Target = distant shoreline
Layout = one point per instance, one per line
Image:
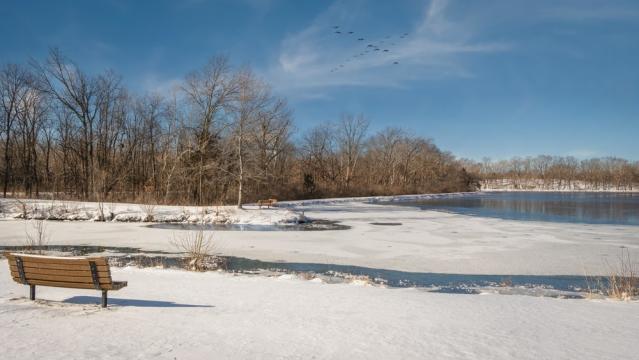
(562, 190)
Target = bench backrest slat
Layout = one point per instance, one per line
(57, 271)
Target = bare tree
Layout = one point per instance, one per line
(255, 111)
(320, 157)
(78, 93)
(208, 92)
(13, 88)
(32, 118)
(351, 132)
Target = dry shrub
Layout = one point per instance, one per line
(149, 212)
(506, 282)
(101, 216)
(148, 203)
(36, 236)
(622, 281)
(623, 278)
(72, 207)
(23, 207)
(198, 246)
(111, 211)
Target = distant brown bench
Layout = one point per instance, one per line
(71, 272)
(267, 203)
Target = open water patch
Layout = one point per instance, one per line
(564, 286)
(563, 207)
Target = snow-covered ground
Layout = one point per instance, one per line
(170, 314)
(427, 241)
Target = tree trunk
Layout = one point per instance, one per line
(240, 177)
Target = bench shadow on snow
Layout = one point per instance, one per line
(91, 300)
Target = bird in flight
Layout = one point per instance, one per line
(375, 45)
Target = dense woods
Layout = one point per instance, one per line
(221, 137)
(557, 173)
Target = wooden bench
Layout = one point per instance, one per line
(67, 272)
(268, 203)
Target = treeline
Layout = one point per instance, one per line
(221, 137)
(557, 173)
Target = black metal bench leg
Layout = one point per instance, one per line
(32, 292)
(104, 298)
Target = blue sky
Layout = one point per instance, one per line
(482, 78)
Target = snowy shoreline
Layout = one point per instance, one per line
(633, 191)
(127, 212)
(286, 212)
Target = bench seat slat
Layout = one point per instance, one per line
(61, 261)
(28, 270)
(56, 259)
(63, 278)
(71, 284)
(76, 267)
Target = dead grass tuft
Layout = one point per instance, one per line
(622, 281)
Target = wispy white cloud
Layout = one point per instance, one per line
(434, 47)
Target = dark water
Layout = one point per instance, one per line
(570, 207)
(396, 278)
(449, 283)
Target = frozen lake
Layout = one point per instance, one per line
(388, 237)
(565, 207)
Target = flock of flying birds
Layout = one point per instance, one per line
(371, 48)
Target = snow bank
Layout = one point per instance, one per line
(118, 212)
(170, 314)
